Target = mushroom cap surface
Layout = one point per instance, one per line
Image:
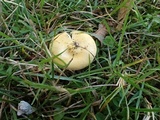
(75, 51)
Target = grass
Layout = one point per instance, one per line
(121, 84)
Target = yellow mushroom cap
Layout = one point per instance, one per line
(74, 52)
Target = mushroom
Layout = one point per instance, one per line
(74, 51)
